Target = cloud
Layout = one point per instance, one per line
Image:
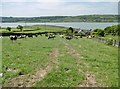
(101, 0)
(31, 9)
(30, 1)
(60, 1)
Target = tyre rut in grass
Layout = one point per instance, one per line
(89, 80)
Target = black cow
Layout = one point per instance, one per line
(51, 36)
(13, 37)
(46, 34)
(36, 35)
(30, 35)
(69, 37)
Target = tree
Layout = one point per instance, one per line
(20, 27)
(113, 30)
(8, 28)
(99, 32)
(118, 30)
(69, 31)
(96, 30)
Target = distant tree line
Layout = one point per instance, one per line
(82, 18)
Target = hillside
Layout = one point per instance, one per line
(81, 18)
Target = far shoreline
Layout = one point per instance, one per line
(59, 22)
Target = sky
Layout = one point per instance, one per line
(37, 8)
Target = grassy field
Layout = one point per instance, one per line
(102, 59)
(34, 29)
(111, 37)
(24, 56)
(64, 63)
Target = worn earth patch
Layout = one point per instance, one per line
(89, 81)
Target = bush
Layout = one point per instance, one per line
(113, 30)
(109, 42)
(101, 33)
(94, 33)
(98, 32)
(8, 28)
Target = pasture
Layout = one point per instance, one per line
(34, 29)
(42, 62)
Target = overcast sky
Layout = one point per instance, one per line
(35, 8)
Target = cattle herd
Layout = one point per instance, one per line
(15, 37)
(53, 36)
(47, 35)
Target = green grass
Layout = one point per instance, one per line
(34, 29)
(26, 55)
(111, 37)
(60, 77)
(102, 59)
(30, 54)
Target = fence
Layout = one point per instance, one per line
(108, 41)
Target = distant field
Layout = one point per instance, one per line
(35, 29)
(59, 62)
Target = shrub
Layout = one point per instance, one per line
(98, 32)
(101, 33)
(109, 42)
(8, 28)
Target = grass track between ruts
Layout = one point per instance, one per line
(66, 74)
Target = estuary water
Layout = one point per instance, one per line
(82, 25)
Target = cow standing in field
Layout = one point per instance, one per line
(13, 37)
(30, 35)
(36, 35)
(51, 36)
(46, 34)
(69, 37)
(62, 36)
(1, 37)
(21, 36)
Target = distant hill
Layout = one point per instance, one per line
(81, 18)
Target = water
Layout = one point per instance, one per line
(82, 25)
